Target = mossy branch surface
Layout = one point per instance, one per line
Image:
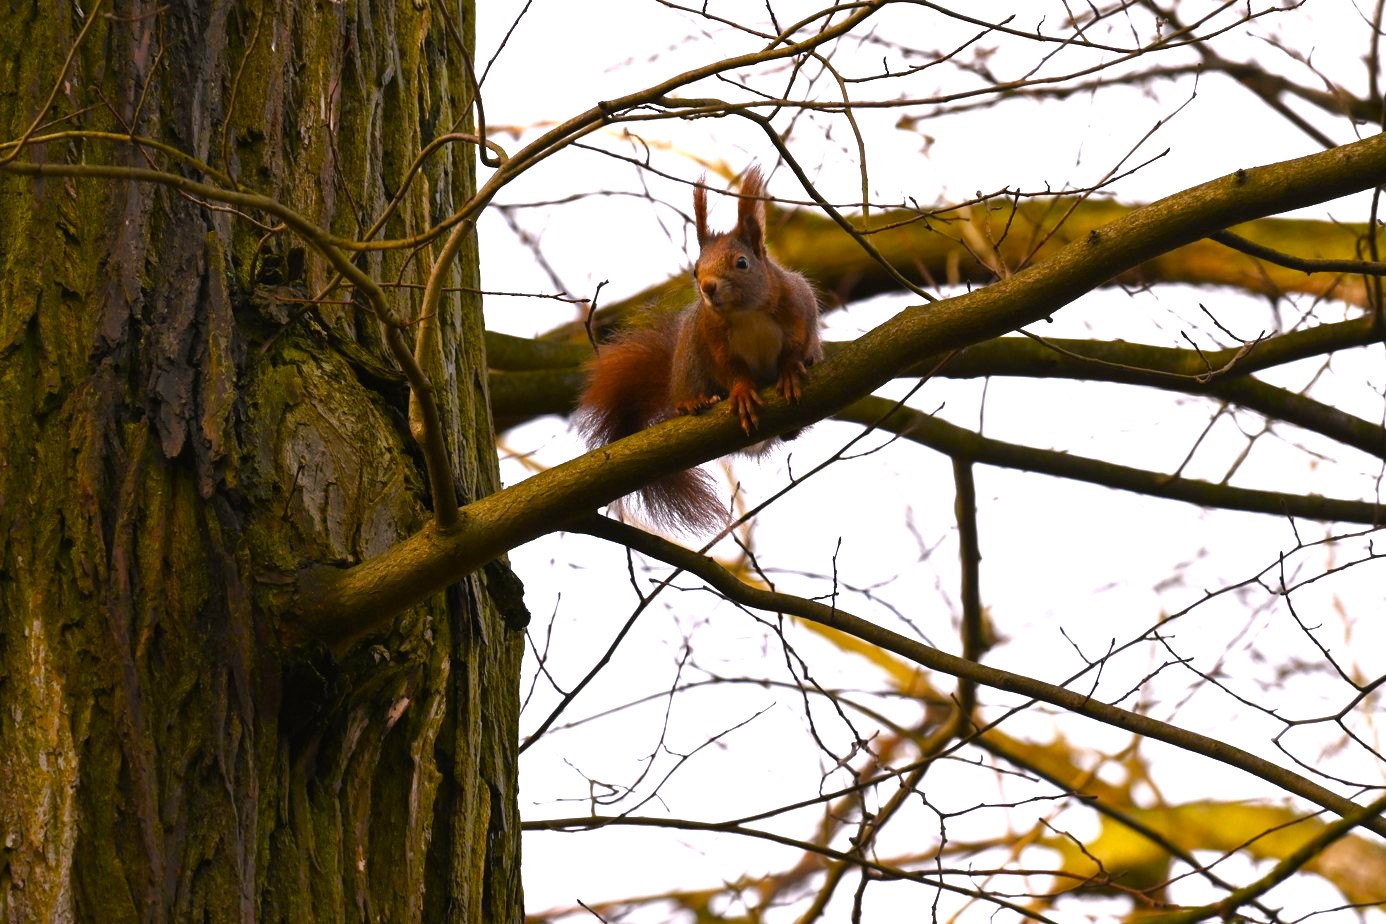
(350, 600)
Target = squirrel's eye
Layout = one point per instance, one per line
(741, 263)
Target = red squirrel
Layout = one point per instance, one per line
(753, 324)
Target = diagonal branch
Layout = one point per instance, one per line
(1309, 850)
(338, 604)
(934, 659)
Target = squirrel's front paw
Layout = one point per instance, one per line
(791, 384)
(744, 400)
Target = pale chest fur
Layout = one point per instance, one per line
(756, 339)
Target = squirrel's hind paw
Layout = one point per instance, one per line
(696, 405)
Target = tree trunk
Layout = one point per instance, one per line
(177, 439)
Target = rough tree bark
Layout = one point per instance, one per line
(176, 439)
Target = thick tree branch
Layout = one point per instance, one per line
(337, 604)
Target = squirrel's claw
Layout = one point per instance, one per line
(744, 400)
(791, 384)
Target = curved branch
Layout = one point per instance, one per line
(607, 111)
(884, 871)
(961, 443)
(93, 16)
(933, 659)
(137, 141)
(435, 455)
(1303, 264)
(423, 413)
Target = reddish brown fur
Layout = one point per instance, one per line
(627, 385)
(628, 390)
(727, 293)
(753, 324)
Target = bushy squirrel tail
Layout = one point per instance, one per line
(628, 390)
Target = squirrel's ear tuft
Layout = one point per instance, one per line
(750, 224)
(700, 210)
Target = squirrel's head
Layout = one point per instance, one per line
(731, 272)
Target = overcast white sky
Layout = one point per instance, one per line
(1101, 565)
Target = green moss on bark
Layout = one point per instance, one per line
(172, 453)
